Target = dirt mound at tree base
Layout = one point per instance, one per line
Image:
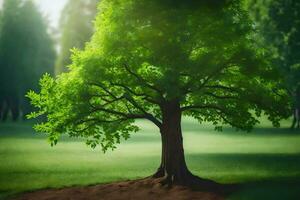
(146, 189)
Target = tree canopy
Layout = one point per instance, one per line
(146, 55)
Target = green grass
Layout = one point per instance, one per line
(266, 162)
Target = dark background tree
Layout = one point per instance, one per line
(76, 27)
(10, 32)
(173, 59)
(26, 52)
(278, 25)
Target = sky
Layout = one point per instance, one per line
(50, 9)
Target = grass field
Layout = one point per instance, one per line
(266, 162)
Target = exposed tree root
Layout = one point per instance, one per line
(187, 179)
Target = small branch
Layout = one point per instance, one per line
(214, 74)
(113, 112)
(220, 97)
(99, 120)
(226, 120)
(201, 107)
(103, 88)
(146, 97)
(147, 115)
(109, 102)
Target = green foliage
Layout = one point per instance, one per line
(26, 52)
(278, 23)
(146, 54)
(76, 25)
(286, 21)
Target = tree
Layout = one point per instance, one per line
(26, 52)
(9, 84)
(76, 23)
(161, 60)
(40, 54)
(285, 17)
(278, 23)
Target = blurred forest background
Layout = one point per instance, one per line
(30, 47)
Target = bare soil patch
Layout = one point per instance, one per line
(145, 189)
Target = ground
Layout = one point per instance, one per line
(146, 189)
(265, 163)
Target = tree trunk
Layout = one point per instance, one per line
(296, 110)
(294, 119)
(173, 166)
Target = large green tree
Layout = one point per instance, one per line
(161, 60)
(26, 52)
(76, 26)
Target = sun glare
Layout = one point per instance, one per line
(51, 9)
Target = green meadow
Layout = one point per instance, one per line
(265, 163)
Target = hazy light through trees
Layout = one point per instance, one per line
(26, 52)
(49, 8)
(52, 9)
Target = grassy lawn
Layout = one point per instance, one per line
(266, 162)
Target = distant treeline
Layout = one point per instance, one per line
(278, 31)
(27, 50)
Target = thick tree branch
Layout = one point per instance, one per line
(145, 96)
(128, 116)
(103, 88)
(143, 81)
(148, 115)
(222, 87)
(109, 102)
(145, 114)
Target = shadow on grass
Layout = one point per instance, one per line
(261, 131)
(268, 190)
(255, 176)
(273, 165)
